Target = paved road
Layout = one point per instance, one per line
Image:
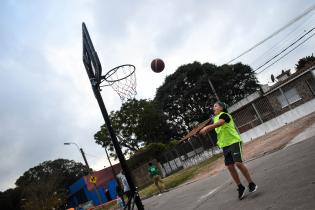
(286, 180)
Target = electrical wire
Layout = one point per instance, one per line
(285, 39)
(268, 61)
(275, 33)
(287, 53)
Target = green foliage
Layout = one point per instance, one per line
(44, 196)
(138, 122)
(186, 97)
(172, 144)
(304, 62)
(68, 171)
(11, 199)
(47, 183)
(146, 154)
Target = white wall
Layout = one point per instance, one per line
(279, 121)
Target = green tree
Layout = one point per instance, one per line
(45, 185)
(137, 123)
(11, 199)
(68, 171)
(304, 62)
(44, 196)
(186, 97)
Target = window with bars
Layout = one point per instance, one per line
(311, 84)
(290, 96)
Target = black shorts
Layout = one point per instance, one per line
(233, 153)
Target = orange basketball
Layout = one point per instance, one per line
(157, 65)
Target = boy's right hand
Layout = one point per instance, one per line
(203, 130)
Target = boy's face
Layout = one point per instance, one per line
(217, 108)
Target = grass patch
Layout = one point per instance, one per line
(178, 178)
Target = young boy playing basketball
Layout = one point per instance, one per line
(230, 141)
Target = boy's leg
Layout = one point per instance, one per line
(161, 183)
(230, 164)
(233, 156)
(236, 178)
(237, 158)
(156, 182)
(234, 173)
(244, 171)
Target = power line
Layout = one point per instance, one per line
(275, 33)
(285, 39)
(285, 49)
(287, 53)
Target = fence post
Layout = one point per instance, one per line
(281, 91)
(165, 155)
(257, 113)
(177, 154)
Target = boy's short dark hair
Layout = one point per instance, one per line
(223, 105)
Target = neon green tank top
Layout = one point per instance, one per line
(227, 133)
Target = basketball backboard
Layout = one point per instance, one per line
(90, 58)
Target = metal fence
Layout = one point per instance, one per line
(254, 114)
(188, 153)
(275, 102)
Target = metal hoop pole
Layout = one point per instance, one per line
(120, 155)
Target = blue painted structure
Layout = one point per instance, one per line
(79, 193)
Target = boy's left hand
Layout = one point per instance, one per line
(203, 130)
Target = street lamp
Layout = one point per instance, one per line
(87, 165)
(82, 152)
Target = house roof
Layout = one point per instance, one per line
(284, 74)
(267, 90)
(102, 176)
(293, 76)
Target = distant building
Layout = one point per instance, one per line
(284, 75)
(290, 91)
(83, 190)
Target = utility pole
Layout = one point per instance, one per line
(213, 90)
(84, 158)
(110, 163)
(88, 167)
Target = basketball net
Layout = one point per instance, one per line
(123, 81)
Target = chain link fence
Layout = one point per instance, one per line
(190, 152)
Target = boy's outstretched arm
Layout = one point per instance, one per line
(212, 126)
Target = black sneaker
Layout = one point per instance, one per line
(241, 192)
(252, 187)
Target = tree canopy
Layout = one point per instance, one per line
(47, 184)
(137, 123)
(304, 62)
(68, 171)
(186, 96)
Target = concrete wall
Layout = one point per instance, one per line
(280, 121)
(252, 97)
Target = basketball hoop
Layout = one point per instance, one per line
(123, 80)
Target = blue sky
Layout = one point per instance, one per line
(46, 97)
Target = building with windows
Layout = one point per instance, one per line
(289, 92)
